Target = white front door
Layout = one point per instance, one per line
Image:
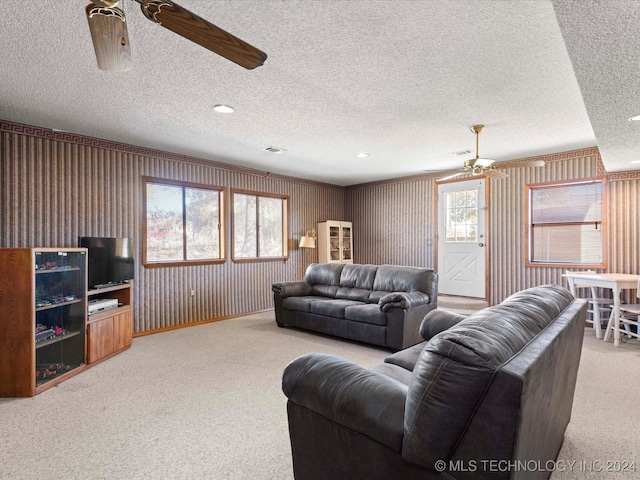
(462, 238)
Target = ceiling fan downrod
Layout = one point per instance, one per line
(476, 129)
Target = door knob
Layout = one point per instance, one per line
(481, 244)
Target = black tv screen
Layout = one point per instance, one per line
(110, 260)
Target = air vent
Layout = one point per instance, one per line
(460, 153)
(274, 150)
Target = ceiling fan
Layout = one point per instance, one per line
(485, 166)
(108, 27)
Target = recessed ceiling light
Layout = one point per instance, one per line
(274, 150)
(223, 109)
(635, 118)
(362, 155)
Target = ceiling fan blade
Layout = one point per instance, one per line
(110, 39)
(492, 173)
(192, 27)
(454, 175)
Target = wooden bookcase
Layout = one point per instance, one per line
(110, 331)
(42, 318)
(46, 335)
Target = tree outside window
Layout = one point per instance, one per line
(259, 226)
(183, 223)
(461, 216)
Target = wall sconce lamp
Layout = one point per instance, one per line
(308, 240)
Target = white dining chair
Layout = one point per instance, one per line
(629, 315)
(599, 308)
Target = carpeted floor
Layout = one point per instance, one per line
(463, 305)
(205, 403)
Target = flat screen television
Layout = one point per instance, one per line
(109, 262)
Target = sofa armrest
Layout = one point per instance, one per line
(362, 400)
(291, 289)
(437, 321)
(404, 300)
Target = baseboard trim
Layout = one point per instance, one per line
(200, 322)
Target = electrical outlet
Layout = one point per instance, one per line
(193, 293)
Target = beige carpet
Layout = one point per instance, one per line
(463, 305)
(205, 403)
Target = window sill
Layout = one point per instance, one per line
(585, 266)
(257, 260)
(183, 263)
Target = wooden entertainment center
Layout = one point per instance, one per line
(46, 333)
(110, 331)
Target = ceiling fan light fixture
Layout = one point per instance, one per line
(485, 166)
(479, 163)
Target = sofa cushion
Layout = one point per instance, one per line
(368, 313)
(399, 374)
(356, 282)
(324, 290)
(358, 294)
(437, 321)
(358, 276)
(332, 308)
(457, 366)
(406, 358)
(324, 273)
(301, 304)
(391, 278)
(376, 295)
(324, 278)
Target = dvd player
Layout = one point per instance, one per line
(99, 305)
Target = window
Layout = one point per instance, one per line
(182, 224)
(461, 216)
(259, 226)
(567, 225)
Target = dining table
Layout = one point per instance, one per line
(616, 282)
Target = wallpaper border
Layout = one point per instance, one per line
(13, 127)
(553, 157)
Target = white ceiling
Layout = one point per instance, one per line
(402, 80)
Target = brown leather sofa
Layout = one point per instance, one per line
(487, 396)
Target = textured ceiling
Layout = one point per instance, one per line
(602, 39)
(401, 80)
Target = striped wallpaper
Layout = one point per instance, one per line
(394, 221)
(57, 187)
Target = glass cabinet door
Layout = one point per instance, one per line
(334, 243)
(346, 243)
(60, 310)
